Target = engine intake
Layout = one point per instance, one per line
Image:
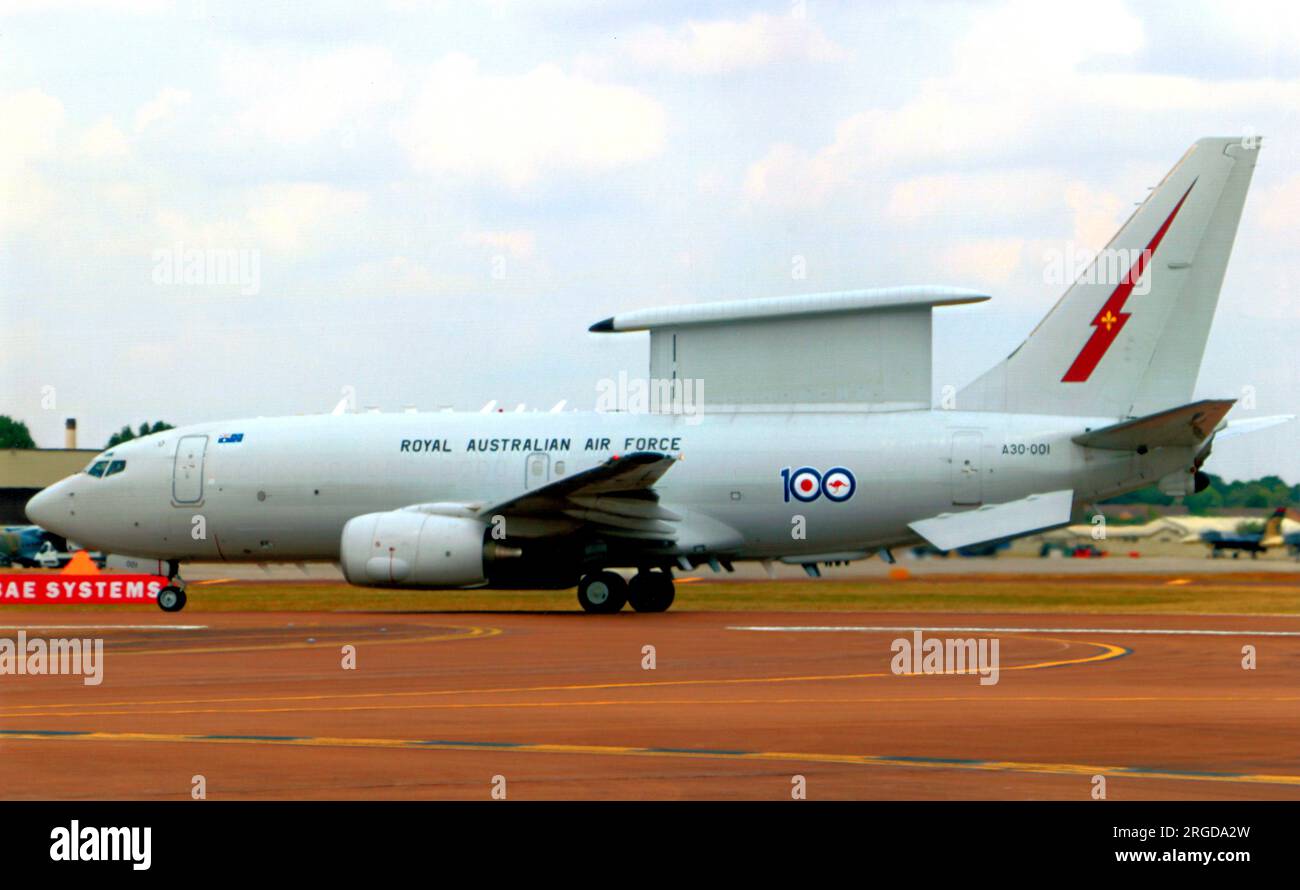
(405, 548)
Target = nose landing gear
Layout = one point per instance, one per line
(172, 597)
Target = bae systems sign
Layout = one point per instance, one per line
(29, 588)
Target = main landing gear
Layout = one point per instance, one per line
(651, 591)
(605, 592)
(172, 597)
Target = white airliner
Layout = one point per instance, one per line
(818, 442)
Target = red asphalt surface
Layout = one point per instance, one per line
(560, 705)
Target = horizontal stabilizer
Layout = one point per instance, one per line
(1189, 426)
(995, 522)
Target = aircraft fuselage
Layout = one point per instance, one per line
(281, 489)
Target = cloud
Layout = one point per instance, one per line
(1241, 22)
(104, 141)
(985, 108)
(1006, 41)
(128, 7)
(985, 261)
(1098, 214)
(790, 178)
(296, 218)
(291, 98)
(293, 217)
(160, 107)
(519, 244)
(935, 128)
(723, 46)
(517, 129)
(983, 194)
(1016, 67)
(1277, 207)
(32, 119)
(397, 274)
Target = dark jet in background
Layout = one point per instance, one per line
(1253, 543)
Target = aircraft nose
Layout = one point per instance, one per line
(40, 507)
(44, 507)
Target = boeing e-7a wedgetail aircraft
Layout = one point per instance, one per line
(819, 420)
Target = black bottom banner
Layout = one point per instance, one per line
(501, 838)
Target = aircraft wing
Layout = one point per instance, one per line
(615, 498)
(995, 522)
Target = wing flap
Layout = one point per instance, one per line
(615, 498)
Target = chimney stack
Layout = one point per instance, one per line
(70, 433)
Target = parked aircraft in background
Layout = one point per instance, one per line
(1253, 543)
(20, 544)
(31, 546)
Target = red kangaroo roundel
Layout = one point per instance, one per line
(838, 484)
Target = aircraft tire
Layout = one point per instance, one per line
(171, 598)
(602, 593)
(651, 592)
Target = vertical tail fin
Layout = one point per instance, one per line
(1272, 536)
(1126, 339)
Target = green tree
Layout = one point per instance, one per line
(1270, 491)
(126, 434)
(1204, 502)
(14, 433)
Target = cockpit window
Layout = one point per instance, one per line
(115, 467)
(97, 468)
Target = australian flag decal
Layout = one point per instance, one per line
(230, 439)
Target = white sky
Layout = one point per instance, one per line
(385, 160)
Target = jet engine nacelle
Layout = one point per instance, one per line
(405, 548)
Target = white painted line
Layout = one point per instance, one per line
(103, 627)
(1027, 630)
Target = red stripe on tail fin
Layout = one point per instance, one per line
(1110, 319)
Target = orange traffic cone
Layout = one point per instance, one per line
(81, 564)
